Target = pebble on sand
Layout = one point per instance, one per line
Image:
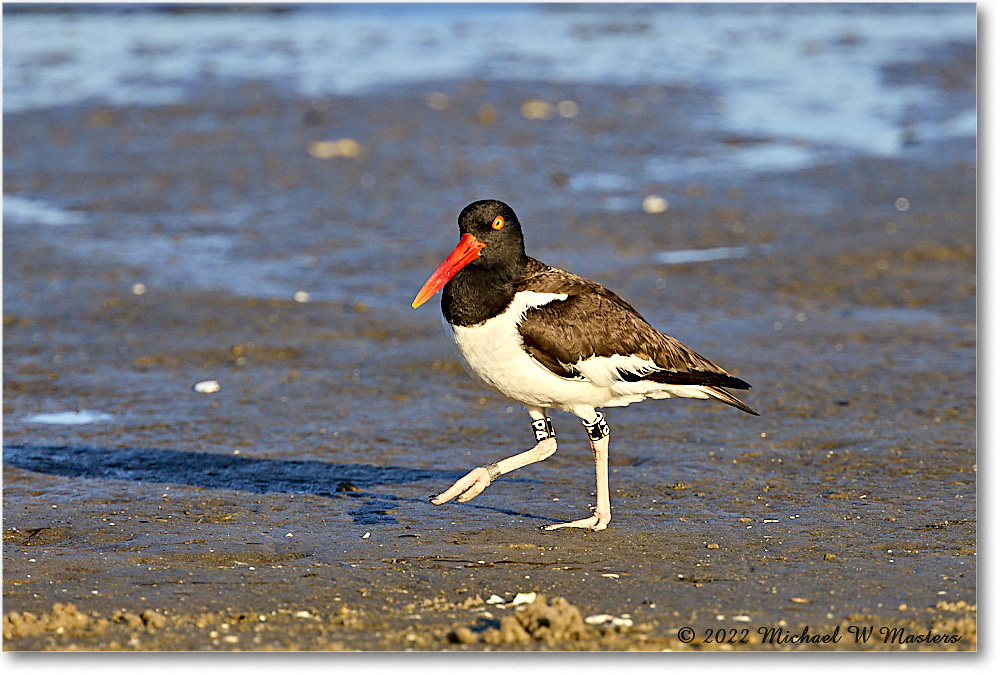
(568, 109)
(524, 598)
(438, 101)
(655, 204)
(207, 387)
(342, 147)
(536, 110)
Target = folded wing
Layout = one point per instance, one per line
(593, 334)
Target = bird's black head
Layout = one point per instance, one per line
(488, 258)
(494, 224)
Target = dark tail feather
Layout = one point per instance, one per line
(707, 378)
(726, 397)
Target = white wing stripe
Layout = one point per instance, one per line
(603, 370)
(525, 300)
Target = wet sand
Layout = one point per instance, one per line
(289, 510)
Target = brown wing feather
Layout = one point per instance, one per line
(594, 321)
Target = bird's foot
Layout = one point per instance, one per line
(598, 521)
(466, 487)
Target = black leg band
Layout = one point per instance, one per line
(599, 429)
(542, 429)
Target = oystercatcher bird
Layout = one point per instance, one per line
(551, 339)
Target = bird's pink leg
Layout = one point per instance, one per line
(602, 512)
(477, 480)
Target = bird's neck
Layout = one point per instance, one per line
(477, 294)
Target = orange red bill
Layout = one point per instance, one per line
(467, 250)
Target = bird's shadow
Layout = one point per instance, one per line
(356, 482)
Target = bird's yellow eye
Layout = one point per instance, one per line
(498, 223)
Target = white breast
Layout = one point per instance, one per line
(493, 353)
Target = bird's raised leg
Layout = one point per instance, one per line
(477, 480)
(599, 435)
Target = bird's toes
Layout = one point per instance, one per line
(583, 523)
(602, 522)
(474, 491)
(463, 485)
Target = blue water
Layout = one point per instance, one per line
(797, 73)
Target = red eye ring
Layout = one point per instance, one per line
(498, 223)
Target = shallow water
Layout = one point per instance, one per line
(70, 417)
(809, 73)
